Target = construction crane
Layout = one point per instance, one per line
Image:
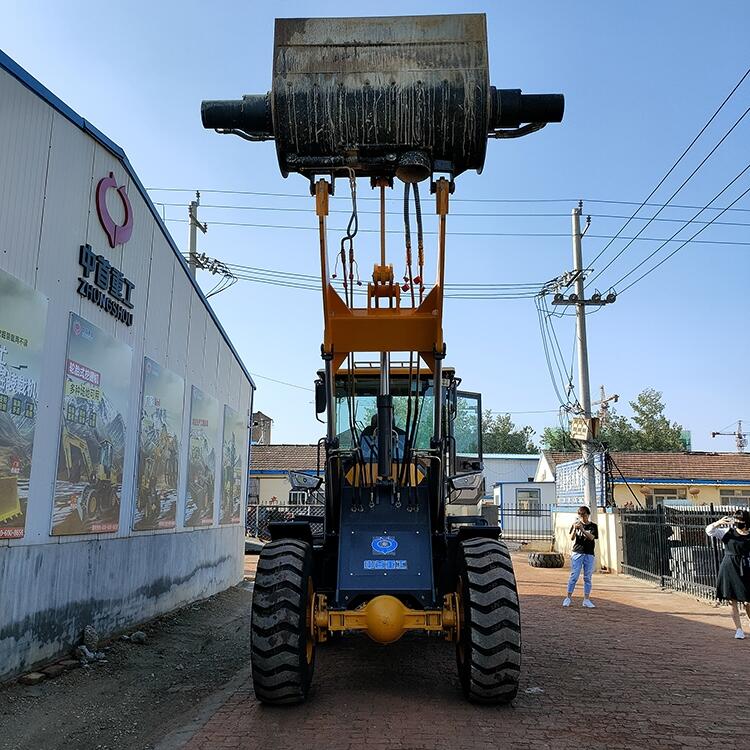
(739, 436)
(404, 98)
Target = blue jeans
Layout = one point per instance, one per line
(577, 561)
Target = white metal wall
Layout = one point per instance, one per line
(50, 587)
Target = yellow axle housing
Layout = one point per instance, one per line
(385, 619)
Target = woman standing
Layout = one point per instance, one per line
(733, 581)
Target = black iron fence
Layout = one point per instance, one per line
(259, 516)
(669, 546)
(527, 524)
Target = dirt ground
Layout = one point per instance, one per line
(142, 692)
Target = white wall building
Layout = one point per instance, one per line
(123, 405)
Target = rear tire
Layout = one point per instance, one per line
(546, 560)
(282, 645)
(489, 647)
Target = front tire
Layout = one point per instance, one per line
(282, 643)
(489, 647)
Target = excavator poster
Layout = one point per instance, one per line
(23, 316)
(159, 448)
(234, 448)
(204, 431)
(92, 433)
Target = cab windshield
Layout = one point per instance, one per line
(359, 414)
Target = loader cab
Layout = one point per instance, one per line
(356, 414)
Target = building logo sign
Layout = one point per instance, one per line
(100, 282)
(110, 289)
(118, 234)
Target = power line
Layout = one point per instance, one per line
(316, 279)
(282, 382)
(453, 200)
(685, 182)
(455, 234)
(679, 247)
(495, 214)
(679, 159)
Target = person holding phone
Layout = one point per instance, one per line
(583, 534)
(733, 581)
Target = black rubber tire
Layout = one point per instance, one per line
(546, 560)
(282, 649)
(488, 652)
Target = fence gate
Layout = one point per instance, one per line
(259, 516)
(669, 546)
(527, 525)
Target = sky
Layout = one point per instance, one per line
(640, 80)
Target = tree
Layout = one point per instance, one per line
(618, 434)
(500, 435)
(654, 431)
(649, 431)
(557, 439)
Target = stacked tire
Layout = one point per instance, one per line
(546, 560)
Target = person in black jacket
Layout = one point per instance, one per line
(583, 534)
(733, 581)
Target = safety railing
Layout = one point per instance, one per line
(260, 516)
(669, 546)
(535, 523)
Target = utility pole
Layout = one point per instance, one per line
(739, 436)
(577, 299)
(193, 236)
(589, 476)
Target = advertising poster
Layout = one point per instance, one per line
(92, 433)
(204, 431)
(159, 448)
(23, 315)
(233, 451)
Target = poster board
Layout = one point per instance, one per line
(23, 318)
(234, 450)
(204, 432)
(91, 451)
(159, 444)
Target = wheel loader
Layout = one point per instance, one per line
(402, 99)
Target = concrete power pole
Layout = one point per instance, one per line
(584, 388)
(193, 236)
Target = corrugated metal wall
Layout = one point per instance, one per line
(51, 587)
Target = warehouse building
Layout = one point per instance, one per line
(124, 408)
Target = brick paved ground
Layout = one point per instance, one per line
(646, 669)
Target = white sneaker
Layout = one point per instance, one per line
(588, 604)
(739, 634)
(566, 601)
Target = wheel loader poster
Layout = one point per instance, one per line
(23, 316)
(92, 433)
(234, 448)
(159, 448)
(204, 431)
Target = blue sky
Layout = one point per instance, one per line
(640, 80)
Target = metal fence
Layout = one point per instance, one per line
(527, 524)
(669, 546)
(259, 516)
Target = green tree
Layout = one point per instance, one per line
(654, 432)
(500, 435)
(649, 430)
(618, 434)
(557, 439)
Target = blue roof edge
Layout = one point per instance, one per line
(11, 66)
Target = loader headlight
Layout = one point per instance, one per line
(300, 481)
(471, 481)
